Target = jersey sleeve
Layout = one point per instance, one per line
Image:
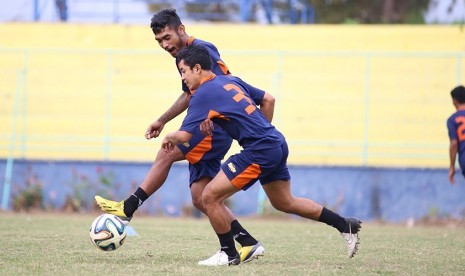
(218, 66)
(255, 93)
(199, 107)
(452, 129)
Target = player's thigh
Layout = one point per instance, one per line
(219, 188)
(278, 192)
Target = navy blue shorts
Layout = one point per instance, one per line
(205, 153)
(203, 168)
(245, 168)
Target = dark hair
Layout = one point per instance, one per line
(458, 93)
(195, 54)
(163, 18)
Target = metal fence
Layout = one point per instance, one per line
(335, 108)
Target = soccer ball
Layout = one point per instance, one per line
(107, 232)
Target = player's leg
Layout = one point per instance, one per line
(277, 186)
(154, 179)
(213, 196)
(197, 188)
(250, 248)
(279, 194)
(281, 198)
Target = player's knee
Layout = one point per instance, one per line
(208, 199)
(169, 157)
(197, 202)
(282, 206)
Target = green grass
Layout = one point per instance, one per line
(52, 244)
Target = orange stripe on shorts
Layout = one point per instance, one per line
(199, 150)
(252, 172)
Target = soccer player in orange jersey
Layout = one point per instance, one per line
(204, 153)
(456, 129)
(230, 103)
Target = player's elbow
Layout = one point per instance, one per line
(268, 99)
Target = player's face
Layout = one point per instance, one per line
(191, 77)
(170, 40)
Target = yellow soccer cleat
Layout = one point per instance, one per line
(249, 253)
(113, 207)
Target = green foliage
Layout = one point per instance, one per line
(84, 188)
(29, 197)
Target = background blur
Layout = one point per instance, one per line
(362, 89)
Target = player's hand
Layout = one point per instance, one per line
(154, 130)
(206, 127)
(451, 175)
(167, 145)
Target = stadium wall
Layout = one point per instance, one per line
(387, 194)
(363, 109)
(346, 95)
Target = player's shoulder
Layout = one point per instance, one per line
(204, 43)
(228, 78)
(459, 113)
(215, 84)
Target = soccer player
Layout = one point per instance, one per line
(228, 102)
(204, 153)
(456, 128)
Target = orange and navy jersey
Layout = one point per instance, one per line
(206, 148)
(232, 104)
(211, 149)
(456, 128)
(218, 66)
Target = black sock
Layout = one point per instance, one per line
(227, 244)
(134, 201)
(329, 217)
(241, 235)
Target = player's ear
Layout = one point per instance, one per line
(197, 68)
(181, 29)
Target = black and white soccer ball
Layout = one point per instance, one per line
(107, 232)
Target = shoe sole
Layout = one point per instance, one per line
(355, 247)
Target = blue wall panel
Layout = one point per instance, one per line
(368, 193)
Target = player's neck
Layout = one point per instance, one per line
(461, 107)
(185, 38)
(206, 75)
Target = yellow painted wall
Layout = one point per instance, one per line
(411, 38)
(346, 95)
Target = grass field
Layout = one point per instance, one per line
(52, 244)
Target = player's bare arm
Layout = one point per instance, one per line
(174, 138)
(181, 104)
(267, 106)
(453, 149)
